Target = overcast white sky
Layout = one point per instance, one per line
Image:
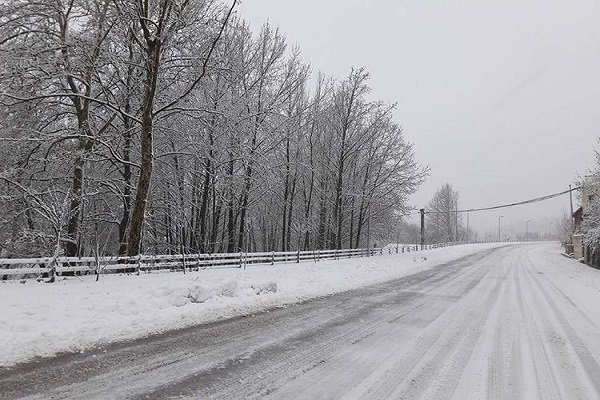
(501, 98)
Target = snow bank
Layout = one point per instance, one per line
(39, 319)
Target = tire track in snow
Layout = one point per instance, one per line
(450, 336)
(275, 365)
(439, 290)
(578, 364)
(484, 327)
(449, 376)
(504, 372)
(534, 350)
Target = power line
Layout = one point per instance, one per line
(519, 203)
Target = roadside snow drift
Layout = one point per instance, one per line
(39, 319)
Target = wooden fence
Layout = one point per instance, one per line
(31, 268)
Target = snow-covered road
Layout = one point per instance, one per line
(518, 322)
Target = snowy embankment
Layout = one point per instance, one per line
(39, 319)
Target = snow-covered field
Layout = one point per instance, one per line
(38, 319)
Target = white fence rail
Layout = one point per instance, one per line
(13, 268)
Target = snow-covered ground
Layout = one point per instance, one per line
(39, 319)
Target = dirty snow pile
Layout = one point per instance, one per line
(76, 314)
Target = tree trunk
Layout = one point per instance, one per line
(147, 152)
(286, 187)
(337, 211)
(290, 212)
(126, 195)
(247, 186)
(217, 211)
(203, 217)
(322, 235)
(244, 204)
(71, 244)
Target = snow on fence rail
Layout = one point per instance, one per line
(19, 268)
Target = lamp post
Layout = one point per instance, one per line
(499, 218)
(527, 230)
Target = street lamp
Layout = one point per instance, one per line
(499, 218)
(527, 230)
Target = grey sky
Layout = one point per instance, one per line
(500, 98)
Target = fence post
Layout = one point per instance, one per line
(139, 264)
(241, 259)
(381, 251)
(298, 257)
(272, 257)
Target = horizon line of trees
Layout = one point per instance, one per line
(167, 126)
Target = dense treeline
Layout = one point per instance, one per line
(163, 126)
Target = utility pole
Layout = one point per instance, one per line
(499, 218)
(422, 210)
(571, 199)
(527, 230)
(468, 235)
(456, 223)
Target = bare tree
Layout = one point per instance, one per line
(170, 127)
(444, 222)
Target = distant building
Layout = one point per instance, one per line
(589, 191)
